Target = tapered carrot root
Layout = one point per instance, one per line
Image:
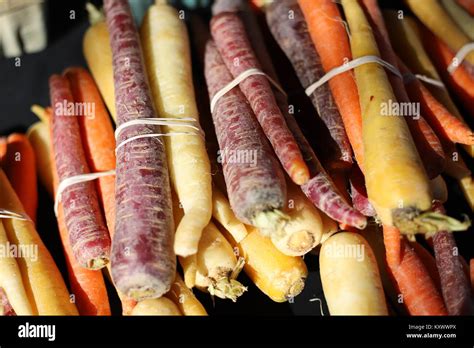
(418, 290)
(286, 21)
(88, 233)
(217, 266)
(87, 286)
(44, 285)
(279, 276)
(330, 39)
(19, 164)
(167, 55)
(405, 37)
(143, 259)
(426, 141)
(233, 45)
(256, 187)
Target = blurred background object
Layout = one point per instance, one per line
(22, 27)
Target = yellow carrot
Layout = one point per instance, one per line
(350, 276)
(433, 15)
(43, 282)
(222, 213)
(38, 135)
(167, 55)
(156, 306)
(277, 275)
(184, 298)
(11, 280)
(303, 229)
(218, 266)
(397, 184)
(98, 54)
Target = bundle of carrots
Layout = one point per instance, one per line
(126, 152)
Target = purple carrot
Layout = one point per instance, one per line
(86, 227)
(236, 51)
(320, 189)
(143, 260)
(359, 196)
(256, 189)
(455, 285)
(6, 308)
(288, 26)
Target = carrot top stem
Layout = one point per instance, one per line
(410, 221)
(226, 286)
(94, 14)
(270, 221)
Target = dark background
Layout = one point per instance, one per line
(20, 87)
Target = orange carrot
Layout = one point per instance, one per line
(3, 148)
(461, 81)
(88, 286)
(330, 38)
(468, 5)
(429, 261)
(418, 289)
(97, 138)
(443, 122)
(19, 166)
(99, 146)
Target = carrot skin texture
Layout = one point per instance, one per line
(426, 141)
(88, 234)
(319, 189)
(250, 188)
(97, 138)
(143, 259)
(416, 286)
(294, 39)
(87, 285)
(232, 43)
(332, 44)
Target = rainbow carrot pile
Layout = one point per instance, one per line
(211, 163)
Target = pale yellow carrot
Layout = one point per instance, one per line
(43, 282)
(168, 59)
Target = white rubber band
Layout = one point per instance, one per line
(349, 66)
(459, 57)
(181, 122)
(76, 179)
(7, 214)
(409, 77)
(239, 79)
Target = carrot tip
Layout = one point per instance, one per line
(299, 173)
